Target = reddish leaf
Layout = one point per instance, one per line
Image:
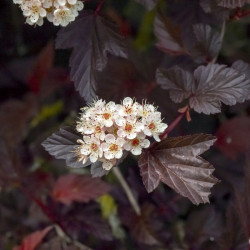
(168, 35)
(81, 188)
(176, 162)
(231, 4)
(31, 241)
(234, 136)
(41, 67)
(207, 88)
(92, 38)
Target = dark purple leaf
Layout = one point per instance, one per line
(62, 145)
(143, 228)
(176, 162)
(203, 225)
(209, 86)
(242, 204)
(81, 188)
(242, 67)
(97, 170)
(232, 4)
(88, 221)
(233, 237)
(149, 4)
(208, 42)
(168, 35)
(92, 38)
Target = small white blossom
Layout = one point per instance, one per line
(135, 145)
(91, 147)
(112, 147)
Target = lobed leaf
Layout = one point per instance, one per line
(62, 145)
(81, 188)
(176, 162)
(208, 42)
(207, 88)
(92, 38)
(168, 35)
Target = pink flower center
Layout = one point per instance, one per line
(113, 147)
(135, 142)
(128, 127)
(106, 116)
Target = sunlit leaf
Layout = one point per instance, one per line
(176, 162)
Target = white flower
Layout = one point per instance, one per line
(107, 164)
(91, 146)
(112, 148)
(154, 128)
(130, 128)
(18, 1)
(108, 115)
(135, 145)
(63, 16)
(34, 11)
(128, 107)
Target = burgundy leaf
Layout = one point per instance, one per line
(86, 221)
(242, 204)
(203, 225)
(176, 162)
(92, 38)
(81, 188)
(214, 84)
(233, 237)
(62, 145)
(12, 111)
(233, 136)
(149, 4)
(231, 4)
(42, 65)
(143, 228)
(31, 241)
(168, 35)
(242, 67)
(208, 42)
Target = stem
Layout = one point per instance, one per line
(172, 125)
(127, 190)
(99, 6)
(222, 33)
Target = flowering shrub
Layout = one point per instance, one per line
(108, 129)
(59, 12)
(123, 178)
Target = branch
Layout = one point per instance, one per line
(127, 190)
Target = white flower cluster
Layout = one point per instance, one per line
(108, 129)
(59, 12)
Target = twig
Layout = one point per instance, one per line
(222, 33)
(99, 6)
(172, 125)
(127, 190)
